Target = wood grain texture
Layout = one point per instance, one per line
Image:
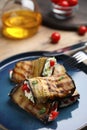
(40, 41)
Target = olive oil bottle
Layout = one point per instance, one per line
(20, 19)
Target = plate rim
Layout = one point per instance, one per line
(27, 54)
(2, 62)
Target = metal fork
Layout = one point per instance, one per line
(75, 59)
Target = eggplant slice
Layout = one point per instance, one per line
(45, 89)
(45, 112)
(27, 69)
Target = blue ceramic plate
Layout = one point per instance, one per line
(14, 118)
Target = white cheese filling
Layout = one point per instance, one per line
(10, 74)
(29, 94)
(48, 69)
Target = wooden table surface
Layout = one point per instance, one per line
(39, 42)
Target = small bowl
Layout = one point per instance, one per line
(61, 12)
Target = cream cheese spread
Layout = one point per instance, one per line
(48, 68)
(28, 94)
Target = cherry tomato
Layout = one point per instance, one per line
(25, 87)
(59, 2)
(53, 115)
(52, 63)
(82, 30)
(73, 2)
(55, 37)
(64, 3)
(55, 1)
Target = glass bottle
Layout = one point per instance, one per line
(20, 19)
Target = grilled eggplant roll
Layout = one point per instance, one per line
(45, 112)
(27, 69)
(40, 67)
(44, 89)
(51, 88)
(41, 95)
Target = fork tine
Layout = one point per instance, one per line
(80, 60)
(80, 56)
(75, 59)
(78, 53)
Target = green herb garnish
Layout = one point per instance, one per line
(61, 78)
(43, 110)
(34, 82)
